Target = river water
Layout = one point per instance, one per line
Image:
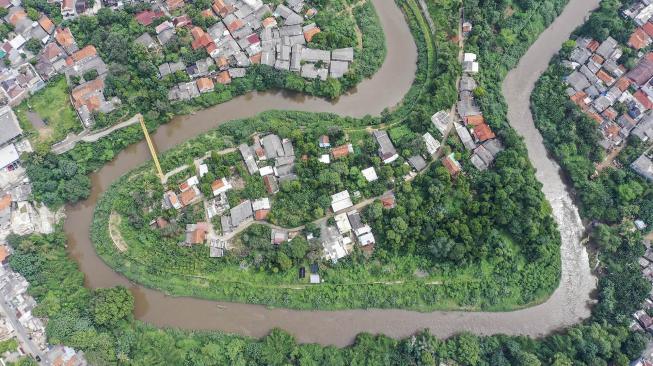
(566, 306)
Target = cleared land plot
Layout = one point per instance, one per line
(49, 113)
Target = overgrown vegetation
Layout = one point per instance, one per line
(57, 284)
(52, 106)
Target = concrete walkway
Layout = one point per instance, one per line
(72, 139)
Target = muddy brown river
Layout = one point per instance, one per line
(567, 305)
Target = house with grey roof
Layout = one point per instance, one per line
(184, 91)
(644, 129)
(494, 146)
(467, 83)
(9, 127)
(580, 55)
(607, 47)
(343, 54)
(241, 214)
(643, 166)
(578, 81)
(386, 151)
(432, 145)
(465, 137)
(272, 146)
(315, 55)
(478, 163)
(237, 72)
(146, 41)
(591, 77)
(170, 68)
(417, 162)
(311, 71)
(248, 158)
(338, 69)
(441, 121)
(467, 105)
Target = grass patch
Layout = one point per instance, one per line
(51, 105)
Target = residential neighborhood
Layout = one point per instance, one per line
(618, 99)
(17, 321)
(249, 32)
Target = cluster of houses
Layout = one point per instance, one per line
(18, 214)
(280, 154)
(642, 321)
(87, 97)
(388, 154)
(349, 227)
(18, 78)
(247, 32)
(271, 157)
(599, 85)
(59, 54)
(618, 99)
(472, 129)
(13, 288)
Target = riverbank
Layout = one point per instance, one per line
(155, 307)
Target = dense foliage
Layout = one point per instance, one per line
(57, 284)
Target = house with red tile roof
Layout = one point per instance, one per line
(89, 98)
(342, 151)
(65, 38)
(196, 233)
(593, 45)
(623, 84)
(452, 165)
(147, 17)
(223, 77)
(205, 85)
(310, 33)
(84, 54)
(208, 13)
(639, 39)
(46, 24)
(648, 29)
(482, 132)
(68, 9)
(605, 78)
(174, 4)
(641, 97)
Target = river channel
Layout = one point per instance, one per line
(567, 305)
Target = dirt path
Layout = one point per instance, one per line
(114, 232)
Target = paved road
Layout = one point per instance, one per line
(72, 140)
(26, 343)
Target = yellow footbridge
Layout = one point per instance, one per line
(150, 145)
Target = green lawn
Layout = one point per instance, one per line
(52, 105)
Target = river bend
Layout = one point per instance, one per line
(567, 305)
